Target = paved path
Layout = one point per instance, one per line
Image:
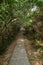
(19, 56)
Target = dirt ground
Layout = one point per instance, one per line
(35, 56)
(4, 59)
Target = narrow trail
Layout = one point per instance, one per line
(19, 56)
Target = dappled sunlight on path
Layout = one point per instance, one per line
(19, 56)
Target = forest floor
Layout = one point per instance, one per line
(35, 57)
(4, 58)
(19, 56)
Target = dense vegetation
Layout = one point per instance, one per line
(14, 13)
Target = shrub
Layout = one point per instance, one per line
(8, 35)
(30, 32)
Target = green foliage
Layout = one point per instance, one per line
(8, 35)
(30, 32)
(24, 10)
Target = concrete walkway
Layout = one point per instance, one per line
(19, 56)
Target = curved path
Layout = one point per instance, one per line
(19, 56)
